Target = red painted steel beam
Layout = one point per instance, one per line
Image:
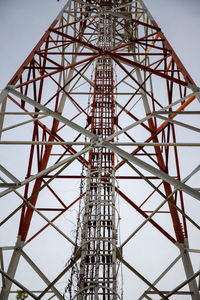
(25, 223)
(55, 218)
(159, 129)
(55, 136)
(186, 75)
(79, 41)
(17, 75)
(57, 71)
(94, 53)
(141, 212)
(145, 68)
(145, 24)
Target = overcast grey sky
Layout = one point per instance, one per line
(22, 23)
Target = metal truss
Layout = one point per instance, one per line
(99, 176)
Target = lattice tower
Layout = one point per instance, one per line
(132, 130)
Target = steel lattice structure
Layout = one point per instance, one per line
(99, 116)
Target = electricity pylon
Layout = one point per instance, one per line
(103, 99)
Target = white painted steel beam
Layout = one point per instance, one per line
(161, 205)
(10, 274)
(9, 175)
(41, 274)
(131, 268)
(17, 283)
(65, 161)
(162, 275)
(3, 102)
(197, 297)
(52, 113)
(11, 214)
(187, 264)
(132, 125)
(140, 163)
(71, 143)
(178, 123)
(196, 90)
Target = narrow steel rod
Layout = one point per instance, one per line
(68, 267)
(41, 274)
(46, 171)
(87, 143)
(161, 276)
(183, 284)
(142, 277)
(22, 287)
(165, 200)
(23, 123)
(41, 215)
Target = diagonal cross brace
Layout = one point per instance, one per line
(49, 169)
(177, 184)
(52, 113)
(147, 167)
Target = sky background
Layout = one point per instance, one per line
(23, 22)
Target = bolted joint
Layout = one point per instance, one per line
(100, 142)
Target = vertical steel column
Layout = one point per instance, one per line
(12, 269)
(187, 264)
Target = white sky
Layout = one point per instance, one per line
(22, 23)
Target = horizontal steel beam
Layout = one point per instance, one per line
(131, 268)
(17, 283)
(164, 176)
(52, 113)
(132, 125)
(174, 291)
(175, 112)
(22, 113)
(88, 144)
(47, 170)
(68, 267)
(41, 274)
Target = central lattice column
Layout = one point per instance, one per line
(98, 274)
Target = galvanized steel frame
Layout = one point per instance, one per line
(71, 26)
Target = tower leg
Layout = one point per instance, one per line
(12, 269)
(189, 271)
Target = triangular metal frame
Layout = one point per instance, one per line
(48, 94)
